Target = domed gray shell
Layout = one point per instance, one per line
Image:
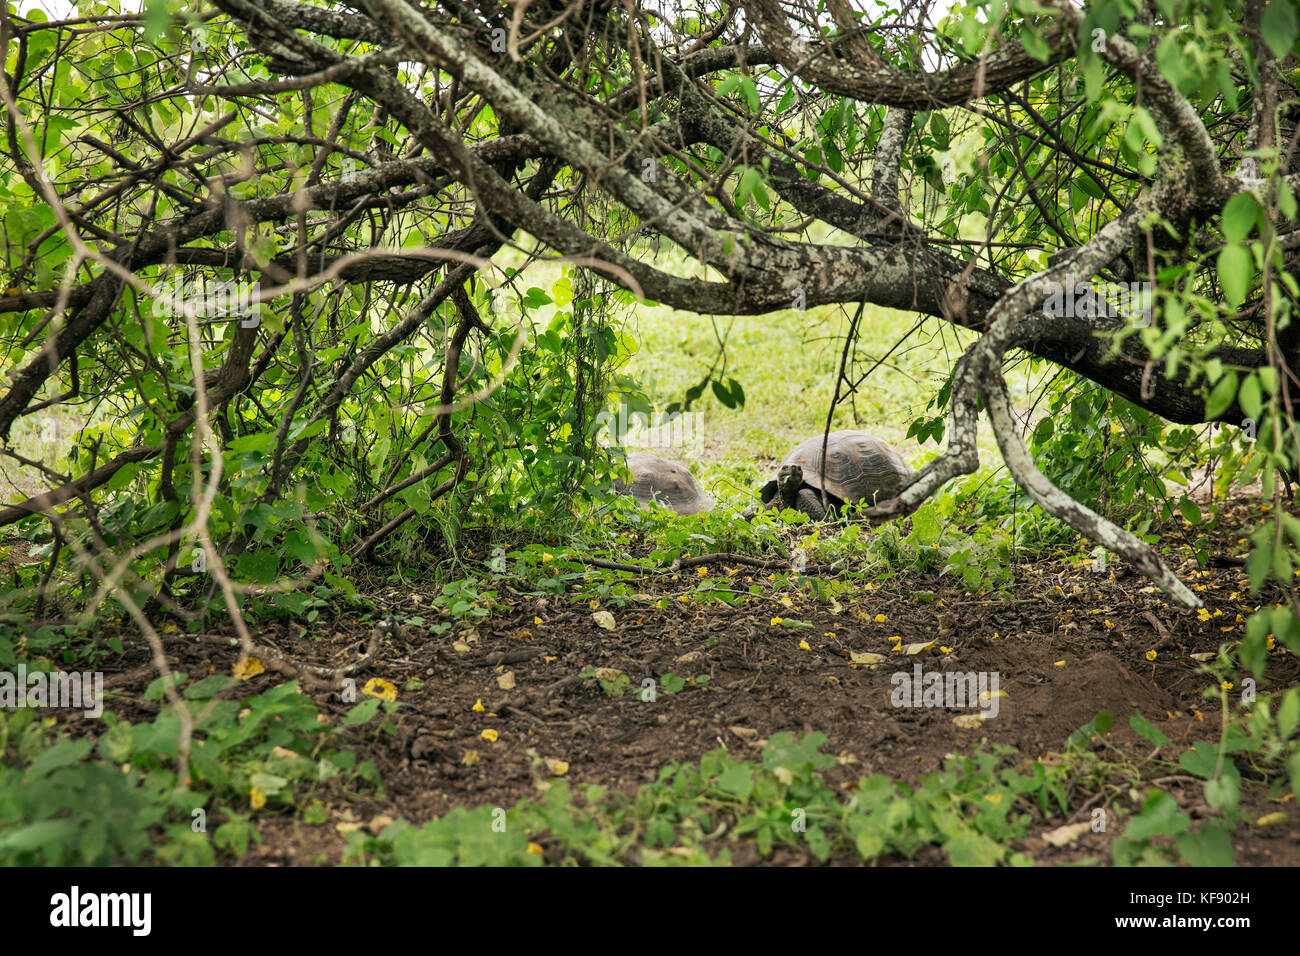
(858, 466)
(666, 482)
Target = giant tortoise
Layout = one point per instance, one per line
(859, 467)
(659, 481)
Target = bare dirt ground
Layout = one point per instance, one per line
(1064, 641)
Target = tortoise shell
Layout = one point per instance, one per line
(859, 467)
(668, 483)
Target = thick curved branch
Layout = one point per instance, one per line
(874, 81)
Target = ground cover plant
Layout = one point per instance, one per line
(327, 330)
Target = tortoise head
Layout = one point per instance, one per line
(788, 480)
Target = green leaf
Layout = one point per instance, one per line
(1169, 56)
(1236, 273)
(156, 19)
(362, 712)
(1278, 27)
(1202, 760)
(1286, 200)
(40, 836)
(269, 783)
(738, 780)
(1258, 563)
(1191, 510)
(562, 290)
(1284, 625)
(1222, 396)
(1034, 43)
(737, 393)
(1089, 185)
(1239, 217)
(260, 565)
(1160, 816)
(751, 184)
(1099, 724)
(1249, 397)
(300, 546)
(535, 298)
(62, 754)
(1223, 792)
(728, 84)
(303, 429)
(209, 686)
(968, 848)
(1211, 847)
(939, 127)
(1288, 715)
(1145, 728)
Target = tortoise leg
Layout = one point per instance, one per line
(810, 503)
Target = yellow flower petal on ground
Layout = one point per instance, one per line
(776, 621)
(881, 619)
(536, 621)
(478, 707)
(1059, 664)
(534, 848)
(804, 646)
(256, 798)
(378, 687)
(247, 667)
(1150, 655)
(547, 558)
(490, 735)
